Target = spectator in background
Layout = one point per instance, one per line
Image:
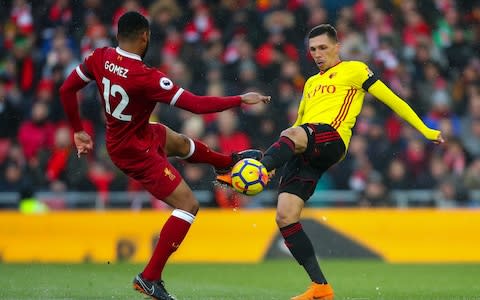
(443, 35)
(416, 29)
(58, 168)
(460, 52)
(273, 52)
(465, 87)
(415, 156)
(12, 178)
(441, 111)
(36, 134)
(435, 172)
(127, 5)
(35, 34)
(432, 90)
(378, 149)
(470, 133)
(398, 177)
(455, 157)
(95, 36)
(451, 193)
(230, 137)
(197, 176)
(202, 27)
(21, 17)
(9, 121)
(379, 25)
(25, 65)
(375, 193)
(471, 180)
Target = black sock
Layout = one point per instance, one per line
(278, 153)
(302, 250)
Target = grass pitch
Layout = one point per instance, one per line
(279, 279)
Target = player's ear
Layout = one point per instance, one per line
(145, 36)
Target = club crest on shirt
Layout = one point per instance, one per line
(332, 75)
(166, 83)
(168, 173)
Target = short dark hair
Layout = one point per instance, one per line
(131, 25)
(327, 29)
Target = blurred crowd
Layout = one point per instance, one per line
(426, 51)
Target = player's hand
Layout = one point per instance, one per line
(434, 135)
(83, 142)
(439, 139)
(254, 98)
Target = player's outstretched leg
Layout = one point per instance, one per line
(153, 289)
(223, 163)
(278, 153)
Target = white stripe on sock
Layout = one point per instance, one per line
(192, 149)
(184, 215)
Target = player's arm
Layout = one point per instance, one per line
(161, 89)
(209, 104)
(68, 96)
(387, 96)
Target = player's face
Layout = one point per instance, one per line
(324, 51)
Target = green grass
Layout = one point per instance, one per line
(353, 280)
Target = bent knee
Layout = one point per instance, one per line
(298, 136)
(189, 205)
(179, 145)
(284, 219)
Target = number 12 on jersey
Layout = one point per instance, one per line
(112, 90)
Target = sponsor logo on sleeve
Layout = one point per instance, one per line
(166, 83)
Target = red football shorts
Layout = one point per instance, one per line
(149, 164)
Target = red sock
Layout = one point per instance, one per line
(203, 154)
(171, 236)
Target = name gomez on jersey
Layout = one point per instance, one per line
(120, 71)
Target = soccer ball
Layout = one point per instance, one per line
(249, 176)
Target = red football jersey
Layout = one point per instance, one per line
(129, 92)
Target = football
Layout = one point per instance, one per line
(249, 176)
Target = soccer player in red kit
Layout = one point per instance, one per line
(130, 90)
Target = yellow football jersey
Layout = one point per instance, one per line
(335, 97)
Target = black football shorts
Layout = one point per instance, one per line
(302, 172)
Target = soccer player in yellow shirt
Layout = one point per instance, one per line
(332, 99)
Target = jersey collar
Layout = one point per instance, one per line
(128, 54)
(323, 72)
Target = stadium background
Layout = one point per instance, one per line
(385, 203)
(426, 51)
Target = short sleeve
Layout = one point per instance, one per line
(161, 88)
